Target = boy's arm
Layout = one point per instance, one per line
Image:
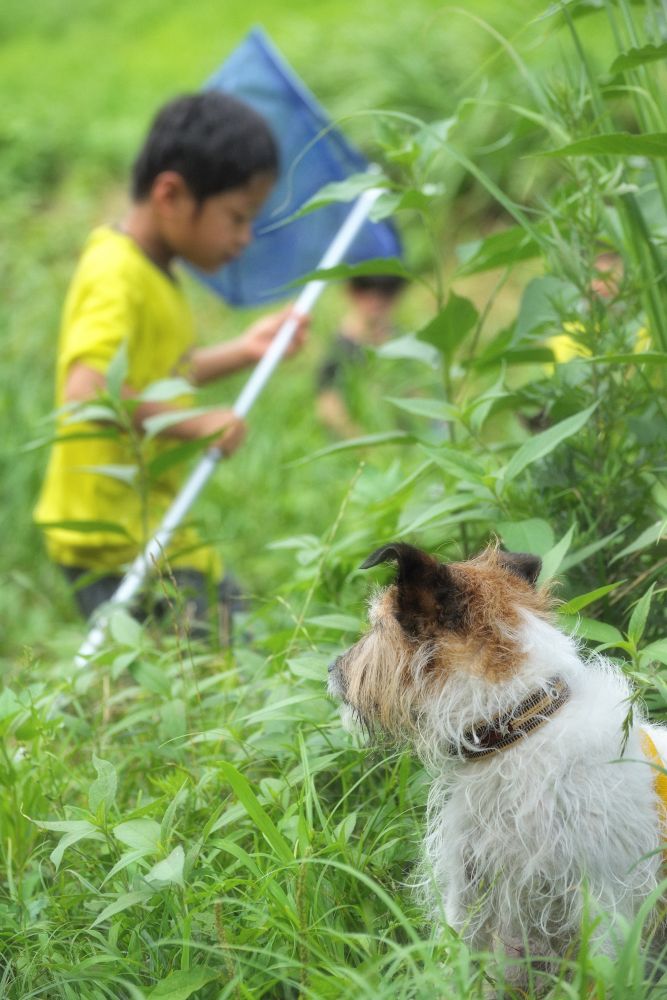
(209, 363)
(84, 383)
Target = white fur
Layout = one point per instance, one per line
(517, 841)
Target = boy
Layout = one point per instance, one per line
(372, 300)
(205, 168)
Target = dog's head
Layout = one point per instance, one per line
(434, 620)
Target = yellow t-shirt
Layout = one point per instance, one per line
(117, 295)
(566, 347)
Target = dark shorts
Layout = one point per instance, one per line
(187, 597)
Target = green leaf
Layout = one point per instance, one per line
(345, 828)
(126, 859)
(496, 397)
(577, 603)
(638, 57)
(511, 356)
(167, 823)
(498, 250)
(449, 328)
(181, 985)
(385, 206)
(543, 304)
(140, 835)
(409, 523)
(588, 628)
(274, 710)
(124, 629)
(396, 201)
(648, 537)
(152, 677)
(123, 473)
(309, 667)
(166, 389)
(170, 870)
(337, 191)
(408, 348)
(542, 444)
(91, 413)
(432, 409)
(122, 903)
(339, 623)
(457, 463)
(103, 789)
(656, 651)
(9, 704)
(533, 535)
(650, 144)
(369, 441)
(68, 840)
(580, 555)
(639, 616)
(553, 559)
(74, 831)
(258, 815)
(66, 825)
(153, 426)
(117, 371)
(627, 358)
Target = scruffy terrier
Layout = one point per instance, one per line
(538, 810)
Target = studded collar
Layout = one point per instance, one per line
(485, 738)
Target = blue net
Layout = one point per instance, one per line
(312, 153)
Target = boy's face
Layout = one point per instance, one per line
(211, 233)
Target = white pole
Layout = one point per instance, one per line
(144, 563)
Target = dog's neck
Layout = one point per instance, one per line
(502, 731)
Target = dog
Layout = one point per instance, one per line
(541, 808)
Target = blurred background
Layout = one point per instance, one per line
(80, 89)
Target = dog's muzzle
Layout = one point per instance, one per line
(336, 684)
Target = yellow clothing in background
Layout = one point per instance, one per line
(117, 295)
(566, 347)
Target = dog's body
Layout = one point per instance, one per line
(536, 810)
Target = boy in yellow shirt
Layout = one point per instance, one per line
(206, 166)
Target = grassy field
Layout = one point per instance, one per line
(177, 821)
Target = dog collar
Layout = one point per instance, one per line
(485, 738)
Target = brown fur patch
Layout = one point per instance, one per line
(490, 599)
(459, 616)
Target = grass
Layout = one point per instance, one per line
(173, 818)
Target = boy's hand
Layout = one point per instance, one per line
(257, 337)
(208, 363)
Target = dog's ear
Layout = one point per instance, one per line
(412, 562)
(522, 564)
(427, 595)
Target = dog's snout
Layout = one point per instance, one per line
(336, 680)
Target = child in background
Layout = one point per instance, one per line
(206, 166)
(605, 286)
(367, 322)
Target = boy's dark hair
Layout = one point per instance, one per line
(385, 284)
(214, 141)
